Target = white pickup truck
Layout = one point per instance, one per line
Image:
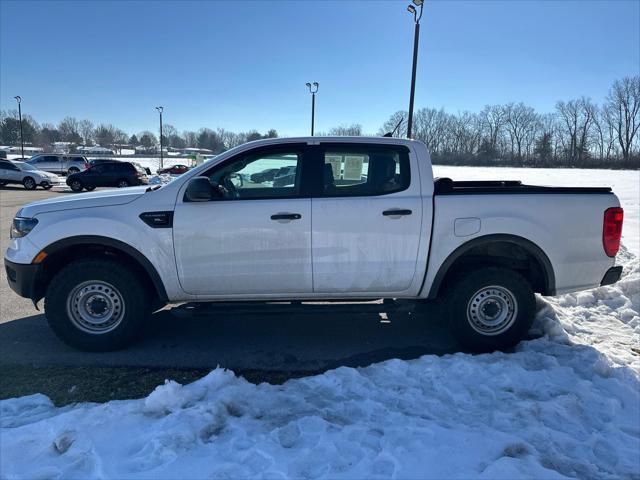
(313, 219)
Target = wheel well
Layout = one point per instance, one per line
(528, 260)
(60, 257)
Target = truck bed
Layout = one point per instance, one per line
(447, 186)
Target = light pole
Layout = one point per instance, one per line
(416, 18)
(19, 99)
(160, 109)
(313, 89)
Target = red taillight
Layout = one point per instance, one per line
(612, 230)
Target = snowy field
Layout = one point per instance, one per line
(563, 405)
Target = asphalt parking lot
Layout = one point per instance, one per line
(243, 337)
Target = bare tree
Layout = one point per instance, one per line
(518, 121)
(69, 130)
(86, 131)
(190, 138)
(492, 120)
(105, 135)
(353, 130)
(432, 127)
(398, 118)
(623, 107)
(577, 117)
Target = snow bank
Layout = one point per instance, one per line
(566, 404)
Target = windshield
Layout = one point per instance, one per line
(25, 166)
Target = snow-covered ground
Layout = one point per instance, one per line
(565, 405)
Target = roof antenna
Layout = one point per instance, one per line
(390, 134)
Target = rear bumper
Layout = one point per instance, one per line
(22, 278)
(612, 276)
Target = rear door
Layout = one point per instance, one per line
(50, 163)
(254, 237)
(9, 172)
(366, 221)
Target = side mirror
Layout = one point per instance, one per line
(199, 190)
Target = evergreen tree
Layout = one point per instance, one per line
(543, 149)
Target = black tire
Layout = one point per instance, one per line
(76, 185)
(73, 170)
(474, 296)
(63, 289)
(89, 189)
(29, 183)
(47, 187)
(2, 184)
(123, 183)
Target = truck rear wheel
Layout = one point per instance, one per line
(490, 308)
(96, 305)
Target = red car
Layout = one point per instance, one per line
(174, 170)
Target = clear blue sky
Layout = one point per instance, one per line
(243, 65)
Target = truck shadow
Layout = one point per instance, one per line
(249, 337)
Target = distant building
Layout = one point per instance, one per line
(29, 150)
(193, 151)
(62, 147)
(97, 150)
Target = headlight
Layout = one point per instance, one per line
(21, 226)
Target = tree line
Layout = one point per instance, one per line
(84, 132)
(578, 133)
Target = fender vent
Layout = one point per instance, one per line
(158, 219)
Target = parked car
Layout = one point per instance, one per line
(59, 164)
(266, 175)
(173, 170)
(285, 176)
(98, 161)
(108, 174)
(146, 170)
(27, 175)
(384, 229)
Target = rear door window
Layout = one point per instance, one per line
(364, 171)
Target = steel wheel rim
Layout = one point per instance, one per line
(76, 185)
(492, 310)
(95, 307)
(29, 183)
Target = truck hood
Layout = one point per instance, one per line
(72, 201)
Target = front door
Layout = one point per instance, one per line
(366, 221)
(254, 237)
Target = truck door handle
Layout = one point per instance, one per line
(396, 213)
(286, 216)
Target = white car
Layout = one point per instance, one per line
(27, 175)
(356, 219)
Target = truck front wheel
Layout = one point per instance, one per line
(490, 308)
(96, 305)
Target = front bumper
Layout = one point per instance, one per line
(612, 276)
(22, 278)
(49, 181)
